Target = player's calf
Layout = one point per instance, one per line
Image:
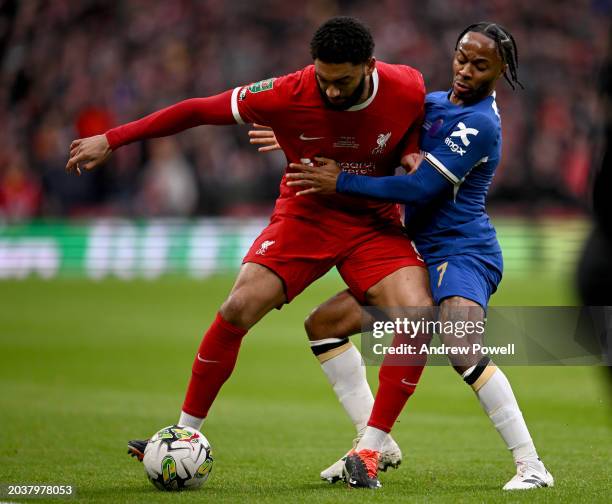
(497, 399)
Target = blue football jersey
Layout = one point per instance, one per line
(463, 143)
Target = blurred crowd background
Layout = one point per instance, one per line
(73, 68)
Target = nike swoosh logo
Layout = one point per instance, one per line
(306, 139)
(205, 360)
(408, 383)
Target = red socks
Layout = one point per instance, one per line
(216, 358)
(212, 366)
(397, 379)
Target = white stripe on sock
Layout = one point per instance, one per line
(325, 341)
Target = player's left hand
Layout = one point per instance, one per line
(264, 136)
(88, 153)
(319, 179)
(411, 162)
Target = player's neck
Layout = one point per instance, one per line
(455, 100)
(368, 89)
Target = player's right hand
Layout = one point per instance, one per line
(88, 153)
(263, 135)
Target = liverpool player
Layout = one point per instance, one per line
(445, 213)
(349, 107)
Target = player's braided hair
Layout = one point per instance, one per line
(505, 45)
(342, 39)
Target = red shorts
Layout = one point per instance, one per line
(300, 251)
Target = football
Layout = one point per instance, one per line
(178, 458)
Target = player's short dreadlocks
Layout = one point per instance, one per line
(505, 45)
(342, 39)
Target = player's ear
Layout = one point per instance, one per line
(370, 66)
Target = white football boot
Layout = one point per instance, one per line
(530, 475)
(391, 456)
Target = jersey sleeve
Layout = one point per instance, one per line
(470, 143)
(259, 102)
(416, 189)
(214, 110)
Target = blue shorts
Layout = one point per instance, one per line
(473, 277)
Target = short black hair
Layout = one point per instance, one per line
(505, 45)
(342, 40)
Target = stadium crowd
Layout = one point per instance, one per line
(73, 68)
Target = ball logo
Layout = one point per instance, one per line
(168, 469)
(204, 469)
(193, 439)
(177, 434)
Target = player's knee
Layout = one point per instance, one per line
(248, 303)
(238, 310)
(232, 309)
(423, 298)
(455, 301)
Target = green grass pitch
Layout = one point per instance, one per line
(85, 366)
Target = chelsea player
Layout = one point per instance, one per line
(445, 213)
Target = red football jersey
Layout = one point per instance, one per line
(368, 138)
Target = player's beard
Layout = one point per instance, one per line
(348, 102)
(476, 94)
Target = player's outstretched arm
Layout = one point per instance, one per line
(213, 110)
(89, 153)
